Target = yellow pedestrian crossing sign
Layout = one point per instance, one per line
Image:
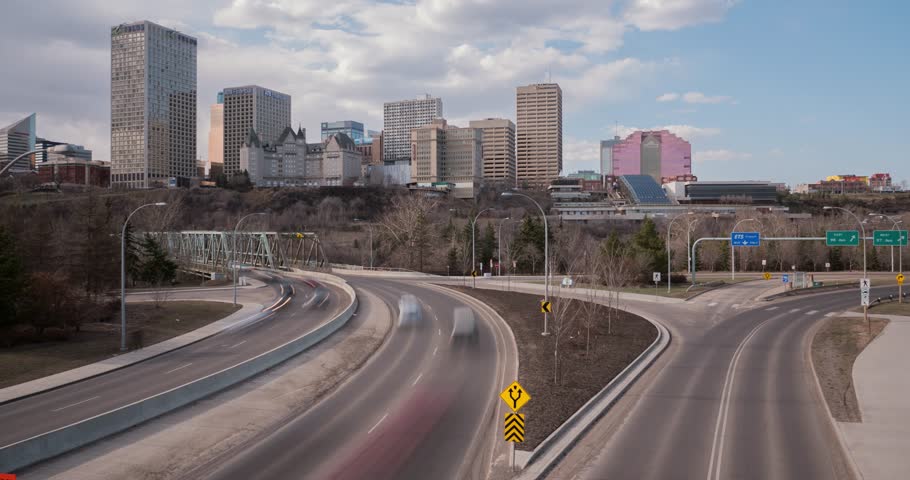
(900, 278)
(514, 427)
(545, 307)
(767, 276)
(515, 396)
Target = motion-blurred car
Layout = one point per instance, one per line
(409, 312)
(464, 326)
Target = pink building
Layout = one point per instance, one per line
(660, 154)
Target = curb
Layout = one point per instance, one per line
(551, 451)
(47, 445)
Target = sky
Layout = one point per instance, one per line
(764, 90)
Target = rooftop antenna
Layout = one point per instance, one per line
(616, 129)
(549, 75)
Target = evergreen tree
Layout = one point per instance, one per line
(873, 262)
(487, 247)
(650, 248)
(452, 259)
(157, 269)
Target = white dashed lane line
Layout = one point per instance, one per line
(377, 424)
(74, 404)
(179, 368)
(771, 309)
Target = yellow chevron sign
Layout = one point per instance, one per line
(514, 427)
(546, 307)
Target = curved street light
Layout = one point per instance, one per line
(234, 250)
(473, 250)
(546, 252)
(862, 229)
(733, 249)
(669, 226)
(894, 224)
(499, 241)
(123, 271)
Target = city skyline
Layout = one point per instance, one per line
(759, 95)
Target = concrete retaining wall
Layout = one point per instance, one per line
(51, 444)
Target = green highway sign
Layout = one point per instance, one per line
(842, 238)
(889, 238)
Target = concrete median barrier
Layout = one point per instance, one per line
(51, 444)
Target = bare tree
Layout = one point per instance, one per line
(618, 270)
(591, 308)
(408, 221)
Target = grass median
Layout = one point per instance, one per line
(98, 341)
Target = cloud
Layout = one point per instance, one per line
(338, 60)
(580, 154)
(695, 97)
(719, 155)
(698, 97)
(648, 15)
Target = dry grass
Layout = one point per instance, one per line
(834, 349)
(98, 341)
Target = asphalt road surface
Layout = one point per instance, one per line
(736, 398)
(418, 409)
(299, 307)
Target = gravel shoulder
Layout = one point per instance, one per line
(582, 375)
(97, 341)
(835, 347)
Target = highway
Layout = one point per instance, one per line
(734, 397)
(299, 306)
(420, 408)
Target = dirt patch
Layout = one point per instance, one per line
(581, 375)
(834, 349)
(97, 341)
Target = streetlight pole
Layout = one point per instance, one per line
(234, 250)
(733, 249)
(863, 230)
(499, 241)
(123, 271)
(473, 250)
(900, 253)
(894, 224)
(669, 226)
(546, 253)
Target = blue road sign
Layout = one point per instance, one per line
(785, 278)
(745, 239)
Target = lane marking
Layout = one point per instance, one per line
(771, 309)
(434, 351)
(720, 428)
(811, 312)
(238, 344)
(74, 404)
(735, 305)
(417, 379)
(795, 310)
(326, 299)
(831, 314)
(712, 304)
(440, 332)
(179, 368)
(377, 424)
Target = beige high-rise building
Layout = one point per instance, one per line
(442, 153)
(498, 150)
(265, 111)
(539, 134)
(216, 136)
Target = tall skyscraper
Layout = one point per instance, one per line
(606, 156)
(216, 136)
(265, 111)
(153, 105)
(399, 118)
(444, 153)
(539, 135)
(498, 150)
(16, 139)
(354, 130)
(660, 154)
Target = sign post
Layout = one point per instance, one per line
(900, 288)
(656, 277)
(515, 397)
(864, 286)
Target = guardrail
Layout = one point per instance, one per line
(48, 445)
(551, 450)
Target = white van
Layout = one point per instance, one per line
(409, 313)
(464, 326)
